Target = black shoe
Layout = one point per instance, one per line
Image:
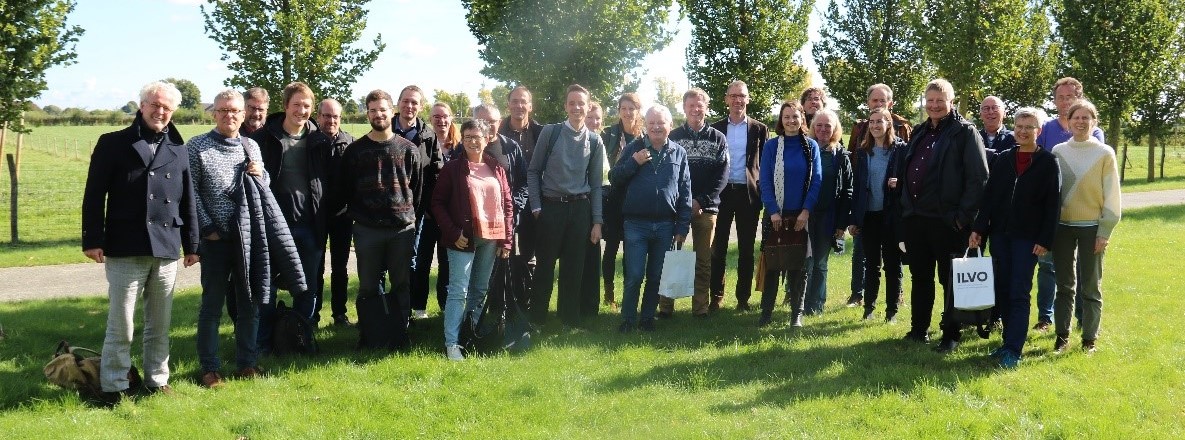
(625, 327)
(1060, 344)
(917, 337)
(763, 321)
(855, 301)
(891, 317)
(743, 306)
(1042, 326)
(664, 315)
(715, 304)
(1089, 346)
(341, 321)
(796, 321)
(701, 315)
(867, 315)
(647, 325)
(946, 346)
(110, 399)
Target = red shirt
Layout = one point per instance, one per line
(1023, 160)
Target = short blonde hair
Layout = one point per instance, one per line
(944, 86)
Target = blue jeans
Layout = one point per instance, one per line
(220, 283)
(1013, 262)
(821, 238)
(646, 245)
(468, 282)
(312, 257)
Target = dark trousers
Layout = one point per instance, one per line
(858, 265)
(1013, 263)
(590, 289)
(523, 258)
(609, 264)
(561, 234)
(312, 257)
(384, 249)
(735, 204)
(428, 243)
(880, 250)
(930, 244)
(339, 237)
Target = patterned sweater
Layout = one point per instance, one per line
(214, 162)
(1090, 185)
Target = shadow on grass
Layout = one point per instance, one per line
(25, 245)
(1133, 181)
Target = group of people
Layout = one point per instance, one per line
(259, 199)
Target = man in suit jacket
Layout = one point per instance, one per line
(137, 210)
(741, 199)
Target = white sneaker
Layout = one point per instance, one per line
(453, 352)
(419, 314)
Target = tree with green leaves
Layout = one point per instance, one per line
(191, 96)
(547, 45)
(1158, 109)
(991, 47)
(668, 94)
(749, 40)
(130, 108)
(270, 43)
(866, 42)
(1115, 48)
(34, 36)
(459, 102)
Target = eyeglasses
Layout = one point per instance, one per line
(227, 111)
(472, 138)
(738, 96)
(162, 107)
(1024, 127)
(256, 109)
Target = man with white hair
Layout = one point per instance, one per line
(656, 206)
(996, 137)
(137, 211)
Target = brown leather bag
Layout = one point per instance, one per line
(785, 250)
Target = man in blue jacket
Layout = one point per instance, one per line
(657, 209)
(137, 211)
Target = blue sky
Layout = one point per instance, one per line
(131, 42)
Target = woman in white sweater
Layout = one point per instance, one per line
(1090, 210)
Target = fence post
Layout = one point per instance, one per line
(20, 143)
(12, 178)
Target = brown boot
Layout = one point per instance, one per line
(609, 298)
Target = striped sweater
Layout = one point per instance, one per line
(214, 163)
(1090, 185)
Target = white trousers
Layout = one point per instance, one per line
(128, 278)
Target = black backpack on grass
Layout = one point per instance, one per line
(503, 324)
(293, 332)
(382, 323)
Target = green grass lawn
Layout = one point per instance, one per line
(721, 378)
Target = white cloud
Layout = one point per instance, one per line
(187, 2)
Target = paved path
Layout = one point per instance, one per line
(88, 279)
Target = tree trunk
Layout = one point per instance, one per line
(1113, 129)
(1152, 141)
(1123, 164)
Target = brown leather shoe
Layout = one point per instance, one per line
(163, 389)
(211, 379)
(1041, 326)
(249, 373)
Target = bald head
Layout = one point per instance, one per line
(991, 111)
(329, 116)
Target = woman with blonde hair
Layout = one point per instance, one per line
(829, 218)
(628, 128)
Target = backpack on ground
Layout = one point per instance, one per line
(382, 324)
(71, 369)
(293, 332)
(503, 324)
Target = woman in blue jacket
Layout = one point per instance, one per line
(874, 210)
(829, 217)
(1019, 212)
(789, 182)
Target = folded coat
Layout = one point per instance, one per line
(268, 251)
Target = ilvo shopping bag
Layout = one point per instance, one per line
(974, 287)
(678, 274)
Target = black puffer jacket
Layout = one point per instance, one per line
(268, 251)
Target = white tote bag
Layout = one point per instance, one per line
(678, 274)
(973, 282)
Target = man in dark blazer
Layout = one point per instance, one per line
(138, 209)
(740, 199)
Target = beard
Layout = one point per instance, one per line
(380, 124)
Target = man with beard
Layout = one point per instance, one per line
(381, 177)
(256, 111)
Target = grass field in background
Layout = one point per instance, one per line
(720, 378)
(53, 174)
